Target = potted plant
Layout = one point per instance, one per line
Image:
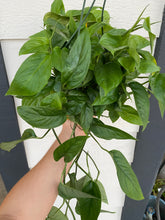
(80, 67)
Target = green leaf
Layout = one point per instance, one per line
(162, 109)
(108, 132)
(72, 25)
(129, 114)
(98, 15)
(113, 113)
(58, 7)
(110, 98)
(113, 42)
(128, 63)
(70, 148)
(108, 76)
(41, 34)
(37, 99)
(93, 29)
(147, 66)
(35, 45)
(102, 191)
(56, 214)
(141, 101)
(58, 58)
(90, 207)
(53, 100)
(8, 146)
(157, 83)
(86, 117)
(77, 63)
(32, 76)
(147, 27)
(127, 178)
(76, 13)
(57, 23)
(132, 50)
(140, 41)
(67, 192)
(147, 55)
(42, 117)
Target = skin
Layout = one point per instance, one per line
(33, 196)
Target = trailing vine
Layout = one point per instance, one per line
(81, 67)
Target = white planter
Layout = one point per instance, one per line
(25, 18)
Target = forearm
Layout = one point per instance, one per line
(32, 197)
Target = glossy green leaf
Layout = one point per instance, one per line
(67, 192)
(147, 66)
(32, 76)
(147, 27)
(147, 55)
(110, 98)
(53, 100)
(56, 214)
(113, 42)
(90, 207)
(129, 114)
(108, 76)
(98, 16)
(42, 117)
(113, 113)
(37, 99)
(70, 148)
(93, 29)
(127, 178)
(41, 34)
(58, 58)
(140, 41)
(141, 101)
(162, 109)
(128, 63)
(76, 13)
(157, 83)
(132, 50)
(72, 25)
(86, 116)
(57, 23)
(35, 45)
(96, 49)
(107, 132)
(77, 63)
(58, 7)
(102, 191)
(8, 146)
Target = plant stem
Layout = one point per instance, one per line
(82, 13)
(73, 130)
(145, 82)
(98, 143)
(102, 15)
(74, 34)
(83, 170)
(56, 136)
(93, 163)
(71, 210)
(63, 174)
(44, 134)
(67, 208)
(87, 162)
(157, 202)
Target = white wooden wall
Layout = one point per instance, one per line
(22, 18)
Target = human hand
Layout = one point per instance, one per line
(68, 129)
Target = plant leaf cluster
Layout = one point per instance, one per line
(78, 67)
